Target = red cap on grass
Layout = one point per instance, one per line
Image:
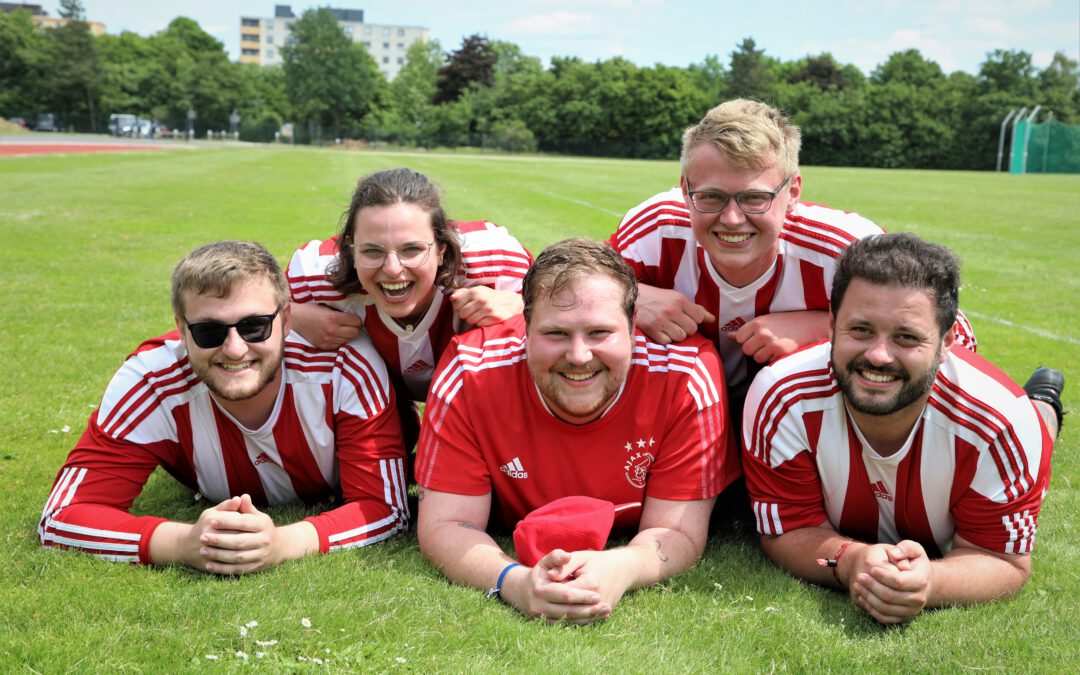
(569, 523)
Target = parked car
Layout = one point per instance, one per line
(145, 129)
(47, 122)
(122, 124)
(19, 122)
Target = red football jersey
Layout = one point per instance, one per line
(656, 240)
(977, 462)
(487, 429)
(333, 433)
(493, 258)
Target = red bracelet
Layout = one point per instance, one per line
(834, 561)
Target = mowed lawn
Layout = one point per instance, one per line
(87, 243)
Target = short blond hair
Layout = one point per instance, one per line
(216, 268)
(750, 134)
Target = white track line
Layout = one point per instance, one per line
(1030, 329)
(579, 202)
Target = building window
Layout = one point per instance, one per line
(250, 38)
(386, 59)
(250, 52)
(401, 32)
(367, 45)
(269, 39)
(386, 45)
(347, 29)
(249, 22)
(401, 61)
(386, 31)
(401, 45)
(269, 53)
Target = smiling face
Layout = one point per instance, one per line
(403, 293)
(741, 247)
(887, 347)
(579, 347)
(239, 374)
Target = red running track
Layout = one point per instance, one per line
(11, 149)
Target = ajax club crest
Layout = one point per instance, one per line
(638, 461)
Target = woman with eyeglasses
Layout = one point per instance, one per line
(407, 274)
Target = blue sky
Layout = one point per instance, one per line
(955, 33)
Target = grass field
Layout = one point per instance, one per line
(86, 246)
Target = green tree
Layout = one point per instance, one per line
(711, 78)
(413, 90)
(22, 64)
(196, 74)
(73, 67)
(749, 76)
(329, 79)
(472, 64)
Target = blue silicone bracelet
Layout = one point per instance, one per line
(494, 592)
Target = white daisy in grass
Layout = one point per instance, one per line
(305, 622)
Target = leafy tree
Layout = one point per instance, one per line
(329, 79)
(73, 66)
(822, 72)
(472, 64)
(749, 76)
(710, 77)
(22, 64)
(197, 75)
(1060, 86)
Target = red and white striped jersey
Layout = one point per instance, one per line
(487, 429)
(655, 238)
(977, 462)
(493, 258)
(333, 434)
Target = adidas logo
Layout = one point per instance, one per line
(514, 469)
(733, 325)
(419, 367)
(263, 457)
(880, 491)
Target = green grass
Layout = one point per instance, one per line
(86, 246)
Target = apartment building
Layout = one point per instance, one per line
(42, 19)
(261, 38)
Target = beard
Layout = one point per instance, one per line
(912, 388)
(229, 391)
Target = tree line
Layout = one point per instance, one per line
(906, 113)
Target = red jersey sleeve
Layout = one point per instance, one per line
(370, 453)
(699, 457)
(448, 458)
(87, 508)
(493, 257)
(652, 233)
(307, 272)
(781, 475)
(999, 511)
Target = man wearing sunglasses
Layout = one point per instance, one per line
(244, 412)
(733, 250)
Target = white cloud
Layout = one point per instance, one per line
(555, 23)
(982, 25)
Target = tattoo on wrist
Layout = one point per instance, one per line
(660, 553)
(420, 494)
(470, 526)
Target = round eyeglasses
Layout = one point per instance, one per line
(411, 254)
(751, 202)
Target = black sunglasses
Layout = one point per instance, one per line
(211, 334)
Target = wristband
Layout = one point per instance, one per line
(494, 592)
(834, 562)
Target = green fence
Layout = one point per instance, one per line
(1045, 147)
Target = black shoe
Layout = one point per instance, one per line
(1045, 385)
